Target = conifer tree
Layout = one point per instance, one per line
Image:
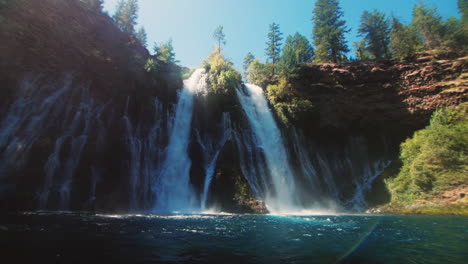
(165, 52)
(219, 36)
(142, 37)
(126, 15)
(249, 58)
(429, 24)
(328, 32)
(296, 51)
(273, 49)
(404, 40)
(375, 28)
(361, 50)
(463, 8)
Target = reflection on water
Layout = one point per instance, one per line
(226, 238)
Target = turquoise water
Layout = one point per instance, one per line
(87, 238)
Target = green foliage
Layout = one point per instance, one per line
(258, 73)
(165, 52)
(273, 49)
(296, 51)
(223, 77)
(463, 7)
(249, 58)
(151, 65)
(126, 15)
(404, 40)
(94, 4)
(186, 72)
(435, 159)
(361, 50)
(375, 28)
(288, 106)
(455, 34)
(328, 32)
(428, 23)
(219, 36)
(141, 36)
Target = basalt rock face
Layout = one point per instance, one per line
(80, 114)
(373, 105)
(383, 95)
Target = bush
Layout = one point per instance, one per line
(223, 77)
(435, 159)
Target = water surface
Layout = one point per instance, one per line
(88, 238)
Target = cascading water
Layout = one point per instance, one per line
(211, 153)
(26, 119)
(174, 192)
(282, 196)
(144, 158)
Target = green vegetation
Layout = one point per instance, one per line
(223, 77)
(126, 15)
(328, 32)
(289, 108)
(296, 51)
(258, 73)
(404, 40)
(375, 28)
(141, 36)
(219, 36)
(435, 159)
(273, 49)
(186, 72)
(249, 58)
(165, 52)
(429, 24)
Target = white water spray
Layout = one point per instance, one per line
(282, 196)
(173, 189)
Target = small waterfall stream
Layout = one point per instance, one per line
(211, 151)
(281, 197)
(173, 188)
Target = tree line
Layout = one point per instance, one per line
(382, 38)
(125, 18)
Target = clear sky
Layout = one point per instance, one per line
(190, 23)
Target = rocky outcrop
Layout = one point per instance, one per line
(383, 95)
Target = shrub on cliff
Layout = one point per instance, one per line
(223, 77)
(290, 108)
(435, 159)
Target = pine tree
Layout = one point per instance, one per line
(429, 24)
(404, 40)
(273, 49)
(375, 28)
(141, 36)
(328, 32)
(219, 36)
(94, 4)
(463, 7)
(361, 50)
(165, 52)
(126, 15)
(296, 51)
(249, 58)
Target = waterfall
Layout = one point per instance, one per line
(174, 192)
(282, 195)
(144, 158)
(211, 152)
(26, 119)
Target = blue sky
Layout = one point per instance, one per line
(190, 23)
